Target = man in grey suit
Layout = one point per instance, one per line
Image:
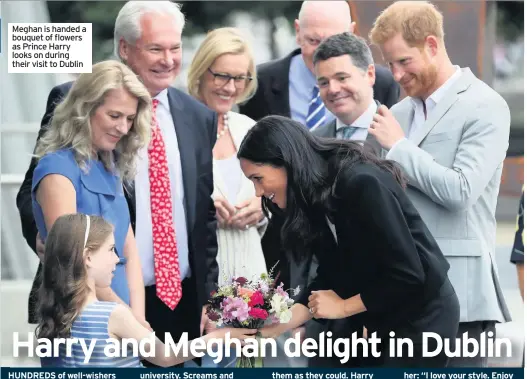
(450, 136)
(345, 73)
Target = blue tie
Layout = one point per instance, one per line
(347, 131)
(316, 115)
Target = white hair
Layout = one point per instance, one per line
(324, 8)
(128, 22)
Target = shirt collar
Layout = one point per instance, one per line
(305, 69)
(162, 97)
(441, 91)
(298, 65)
(364, 120)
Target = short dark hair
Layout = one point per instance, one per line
(342, 44)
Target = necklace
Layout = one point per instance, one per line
(225, 126)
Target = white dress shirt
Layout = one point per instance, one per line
(363, 122)
(143, 230)
(419, 108)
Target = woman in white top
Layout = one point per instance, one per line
(222, 74)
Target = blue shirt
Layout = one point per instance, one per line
(301, 84)
(99, 193)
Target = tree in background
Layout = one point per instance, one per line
(510, 19)
(202, 16)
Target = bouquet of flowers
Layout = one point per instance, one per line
(245, 303)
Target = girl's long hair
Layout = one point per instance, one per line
(312, 165)
(63, 289)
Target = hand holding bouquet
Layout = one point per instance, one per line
(250, 304)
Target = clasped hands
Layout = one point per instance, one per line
(241, 216)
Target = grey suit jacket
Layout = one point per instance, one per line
(329, 130)
(453, 163)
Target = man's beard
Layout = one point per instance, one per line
(427, 80)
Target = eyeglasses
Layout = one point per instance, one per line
(221, 79)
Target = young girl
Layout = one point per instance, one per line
(80, 256)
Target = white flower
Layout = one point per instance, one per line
(285, 316)
(278, 303)
(296, 291)
(280, 307)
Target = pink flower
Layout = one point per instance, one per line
(280, 290)
(256, 299)
(258, 313)
(235, 308)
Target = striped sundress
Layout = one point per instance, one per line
(92, 324)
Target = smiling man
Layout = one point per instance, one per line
(450, 136)
(345, 75)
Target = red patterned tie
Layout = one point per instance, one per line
(166, 263)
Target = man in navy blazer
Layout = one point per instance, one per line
(189, 130)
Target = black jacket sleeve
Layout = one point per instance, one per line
(23, 198)
(212, 272)
(393, 249)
